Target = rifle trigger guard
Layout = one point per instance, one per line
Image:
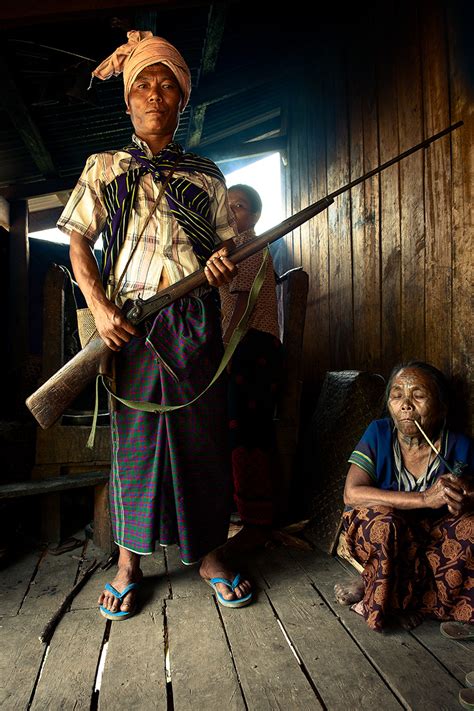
(136, 311)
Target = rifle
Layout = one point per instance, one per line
(53, 397)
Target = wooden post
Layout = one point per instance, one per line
(288, 412)
(18, 346)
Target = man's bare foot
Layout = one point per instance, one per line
(409, 620)
(128, 571)
(214, 566)
(350, 592)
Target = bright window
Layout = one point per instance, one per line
(264, 176)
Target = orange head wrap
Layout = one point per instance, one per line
(141, 50)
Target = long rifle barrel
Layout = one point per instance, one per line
(392, 161)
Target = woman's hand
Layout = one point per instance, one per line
(437, 495)
(456, 493)
(460, 495)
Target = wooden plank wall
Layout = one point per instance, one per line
(390, 264)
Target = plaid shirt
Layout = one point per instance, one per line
(163, 246)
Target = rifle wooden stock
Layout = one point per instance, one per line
(49, 402)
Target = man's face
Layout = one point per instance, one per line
(154, 102)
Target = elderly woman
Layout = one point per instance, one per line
(409, 520)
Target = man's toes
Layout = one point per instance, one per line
(126, 603)
(243, 589)
(226, 593)
(113, 604)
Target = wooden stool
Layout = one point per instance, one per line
(342, 551)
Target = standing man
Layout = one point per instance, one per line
(162, 213)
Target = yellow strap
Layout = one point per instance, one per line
(234, 341)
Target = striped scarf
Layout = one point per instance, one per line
(188, 203)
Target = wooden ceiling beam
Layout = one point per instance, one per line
(44, 219)
(31, 11)
(242, 126)
(21, 119)
(214, 35)
(20, 191)
(233, 150)
(223, 86)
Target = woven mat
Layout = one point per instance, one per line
(348, 402)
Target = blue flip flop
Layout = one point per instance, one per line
(120, 614)
(239, 601)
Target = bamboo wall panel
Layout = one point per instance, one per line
(412, 216)
(365, 217)
(462, 214)
(390, 263)
(390, 246)
(438, 198)
(339, 227)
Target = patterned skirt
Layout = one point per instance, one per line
(170, 479)
(413, 561)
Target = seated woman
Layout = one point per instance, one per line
(409, 520)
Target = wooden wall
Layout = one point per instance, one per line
(390, 264)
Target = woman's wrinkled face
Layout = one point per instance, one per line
(414, 397)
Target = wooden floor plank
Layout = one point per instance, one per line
(67, 680)
(340, 671)
(202, 671)
(277, 567)
(414, 675)
(269, 674)
(154, 587)
(330, 640)
(54, 579)
(21, 654)
(185, 579)
(456, 656)
(14, 582)
(134, 672)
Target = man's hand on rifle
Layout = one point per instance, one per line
(219, 270)
(113, 327)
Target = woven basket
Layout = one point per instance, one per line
(348, 402)
(85, 326)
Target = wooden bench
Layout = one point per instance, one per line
(61, 455)
(54, 485)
